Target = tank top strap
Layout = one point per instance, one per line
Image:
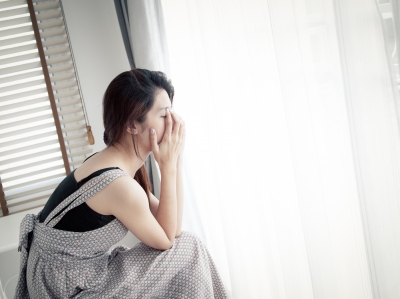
(88, 190)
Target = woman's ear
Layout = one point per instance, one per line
(132, 128)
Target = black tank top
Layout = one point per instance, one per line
(81, 218)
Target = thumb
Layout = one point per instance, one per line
(153, 140)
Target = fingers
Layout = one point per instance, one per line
(179, 129)
(153, 140)
(178, 123)
(168, 129)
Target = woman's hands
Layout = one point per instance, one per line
(171, 146)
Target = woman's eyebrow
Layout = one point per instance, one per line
(165, 108)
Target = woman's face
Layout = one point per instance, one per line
(155, 119)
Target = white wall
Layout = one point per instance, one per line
(99, 54)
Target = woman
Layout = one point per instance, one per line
(65, 249)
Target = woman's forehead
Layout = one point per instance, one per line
(162, 101)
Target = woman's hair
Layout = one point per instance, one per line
(128, 98)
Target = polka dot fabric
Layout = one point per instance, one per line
(64, 264)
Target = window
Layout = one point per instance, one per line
(44, 132)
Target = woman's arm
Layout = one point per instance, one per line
(129, 203)
(166, 214)
(154, 202)
(179, 195)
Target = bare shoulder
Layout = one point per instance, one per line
(125, 192)
(125, 188)
(94, 163)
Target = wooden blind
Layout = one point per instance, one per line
(43, 126)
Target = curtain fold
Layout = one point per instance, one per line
(123, 20)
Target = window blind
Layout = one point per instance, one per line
(44, 132)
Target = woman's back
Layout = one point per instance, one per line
(84, 217)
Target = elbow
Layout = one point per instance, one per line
(169, 246)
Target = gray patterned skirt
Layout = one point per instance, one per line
(64, 264)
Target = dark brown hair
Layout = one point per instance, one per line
(128, 98)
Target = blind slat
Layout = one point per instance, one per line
(11, 115)
(8, 4)
(21, 77)
(14, 22)
(32, 127)
(61, 68)
(5, 145)
(32, 191)
(66, 94)
(23, 123)
(18, 30)
(76, 145)
(51, 23)
(64, 85)
(47, 15)
(59, 59)
(76, 136)
(27, 148)
(7, 109)
(47, 5)
(30, 172)
(20, 58)
(65, 76)
(80, 153)
(38, 1)
(13, 42)
(23, 95)
(56, 50)
(69, 111)
(38, 162)
(59, 40)
(22, 157)
(28, 206)
(16, 87)
(74, 128)
(22, 119)
(52, 32)
(47, 176)
(68, 102)
(22, 67)
(14, 12)
(67, 120)
(25, 136)
(18, 49)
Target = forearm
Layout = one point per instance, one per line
(167, 208)
(179, 195)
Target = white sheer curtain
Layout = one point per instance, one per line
(292, 158)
